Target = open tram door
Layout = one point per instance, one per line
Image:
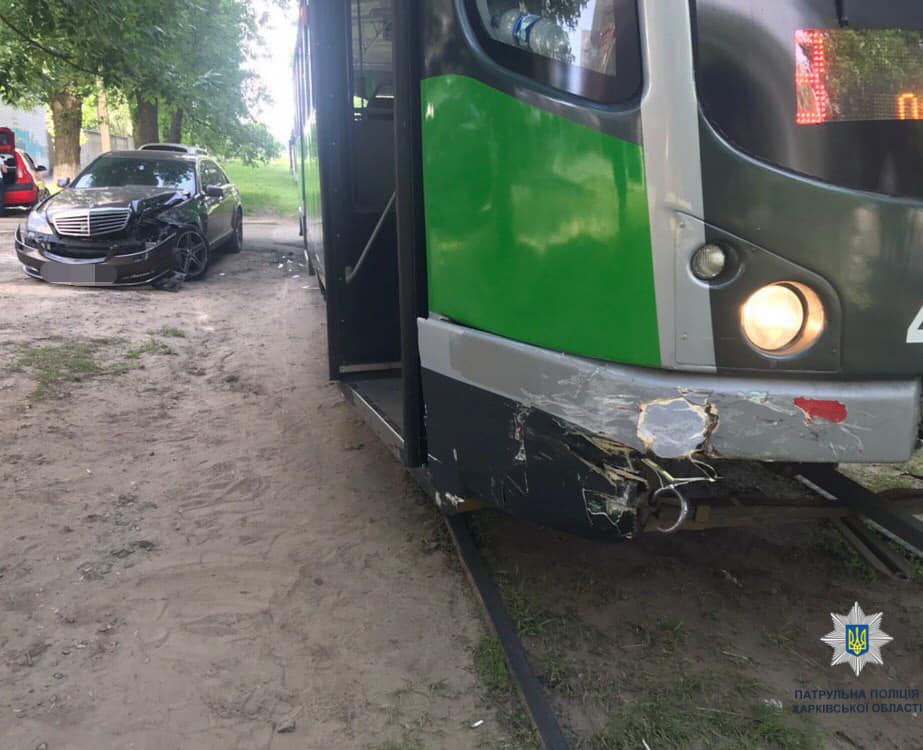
(358, 96)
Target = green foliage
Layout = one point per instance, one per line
(187, 55)
(860, 62)
(119, 113)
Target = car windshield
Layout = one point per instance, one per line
(143, 172)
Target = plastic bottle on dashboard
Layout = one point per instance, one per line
(532, 32)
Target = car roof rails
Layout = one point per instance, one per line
(177, 148)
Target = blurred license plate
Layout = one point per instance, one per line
(78, 273)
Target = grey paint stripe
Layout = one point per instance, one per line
(669, 124)
(671, 414)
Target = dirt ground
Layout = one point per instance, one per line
(200, 540)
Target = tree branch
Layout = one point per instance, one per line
(39, 46)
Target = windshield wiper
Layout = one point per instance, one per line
(842, 14)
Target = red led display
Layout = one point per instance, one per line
(811, 77)
(844, 75)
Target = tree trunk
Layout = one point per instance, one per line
(176, 126)
(102, 109)
(67, 115)
(146, 123)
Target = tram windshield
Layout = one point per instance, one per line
(832, 89)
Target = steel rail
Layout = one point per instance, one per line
(887, 514)
(530, 689)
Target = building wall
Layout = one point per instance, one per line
(31, 131)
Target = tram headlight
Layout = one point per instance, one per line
(783, 319)
(709, 262)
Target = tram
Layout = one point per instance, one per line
(583, 257)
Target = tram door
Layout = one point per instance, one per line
(354, 78)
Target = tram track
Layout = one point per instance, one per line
(527, 684)
(868, 510)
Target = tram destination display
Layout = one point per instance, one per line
(848, 75)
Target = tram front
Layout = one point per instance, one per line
(663, 230)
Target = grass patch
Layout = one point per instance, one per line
(490, 666)
(408, 742)
(659, 692)
(266, 189)
(712, 709)
(170, 333)
(55, 365)
(150, 347)
(843, 555)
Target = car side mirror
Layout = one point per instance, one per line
(214, 191)
(64, 182)
(41, 168)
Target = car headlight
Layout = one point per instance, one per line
(37, 223)
(783, 319)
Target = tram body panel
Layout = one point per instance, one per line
(537, 227)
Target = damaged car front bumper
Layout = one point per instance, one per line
(93, 263)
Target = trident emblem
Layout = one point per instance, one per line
(857, 639)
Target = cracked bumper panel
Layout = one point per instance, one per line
(671, 415)
(128, 267)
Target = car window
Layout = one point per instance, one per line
(143, 172)
(223, 175)
(211, 175)
(28, 160)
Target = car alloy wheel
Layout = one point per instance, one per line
(191, 254)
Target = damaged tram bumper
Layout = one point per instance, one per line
(585, 445)
(125, 262)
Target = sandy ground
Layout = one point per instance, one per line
(210, 542)
(207, 541)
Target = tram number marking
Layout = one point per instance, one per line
(908, 107)
(915, 332)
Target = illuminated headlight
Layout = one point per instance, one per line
(38, 224)
(783, 319)
(709, 262)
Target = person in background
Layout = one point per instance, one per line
(7, 162)
(7, 175)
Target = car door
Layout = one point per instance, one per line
(231, 197)
(218, 208)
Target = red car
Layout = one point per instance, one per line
(29, 188)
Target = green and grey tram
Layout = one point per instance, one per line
(580, 257)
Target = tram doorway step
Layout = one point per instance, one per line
(379, 397)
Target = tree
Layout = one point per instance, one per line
(183, 56)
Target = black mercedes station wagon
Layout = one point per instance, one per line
(133, 217)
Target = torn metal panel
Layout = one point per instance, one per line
(672, 428)
(528, 463)
(672, 414)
